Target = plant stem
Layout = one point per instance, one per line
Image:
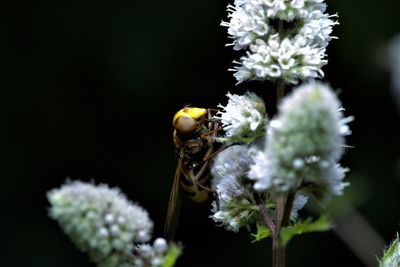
(278, 254)
(284, 205)
(284, 201)
(265, 215)
(280, 87)
(278, 249)
(280, 90)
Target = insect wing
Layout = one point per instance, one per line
(174, 203)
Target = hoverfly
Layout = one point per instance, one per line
(193, 142)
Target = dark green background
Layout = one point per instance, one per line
(88, 91)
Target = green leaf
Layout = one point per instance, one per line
(262, 232)
(174, 252)
(390, 256)
(307, 226)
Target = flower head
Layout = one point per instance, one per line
(243, 118)
(290, 53)
(247, 23)
(100, 220)
(155, 255)
(232, 162)
(288, 59)
(304, 142)
(262, 171)
(235, 196)
(290, 10)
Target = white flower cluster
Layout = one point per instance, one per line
(292, 53)
(243, 118)
(237, 205)
(236, 200)
(288, 59)
(391, 257)
(100, 221)
(304, 143)
(151, 255)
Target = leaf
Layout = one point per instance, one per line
(174, 252)
(390, 255)
(307, 226)
(262, 232)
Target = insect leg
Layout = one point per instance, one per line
(209, 190)
(213, 120)
(200, 173)
(200, 181)
(212, 132)
(213, 110)
(210, 125)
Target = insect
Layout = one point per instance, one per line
(193, 142)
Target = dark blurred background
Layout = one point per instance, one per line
(89, 89)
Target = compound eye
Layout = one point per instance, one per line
(186, 124)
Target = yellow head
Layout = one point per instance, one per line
(186, 119)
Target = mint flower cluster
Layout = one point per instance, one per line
(156, 254)
(243, 118)
(298, 152)
(303, 143)
(283, 39)
(237, 204)
(102, 222)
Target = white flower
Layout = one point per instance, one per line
(304, 143)
(391, 257)
(245, 25)
(236, 200)
(290, 60)
(250, 20)
(152, 255)
(288, 10)
(243, 117)
(317, 29)
(261, 171)
(300, 200)
(295, 54)
(100, 220)
(233, 162)
(333, 180)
